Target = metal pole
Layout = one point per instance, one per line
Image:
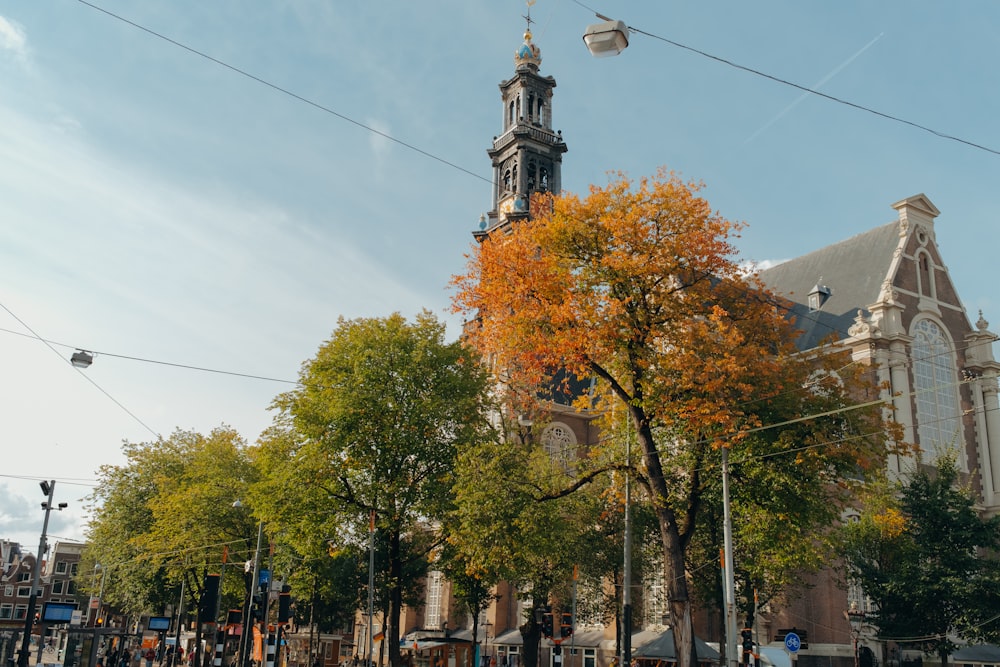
(371, 587)
(732, 658)
(22, 658)
(245, 632)
(626, 659)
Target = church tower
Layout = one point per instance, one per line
(527, 156)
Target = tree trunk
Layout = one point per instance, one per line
(531, 635)
(391, 630)
(673, 547)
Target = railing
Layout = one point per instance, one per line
(536, 133)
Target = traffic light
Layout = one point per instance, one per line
(746, 634)
(547, 624)
(209, 599)
(284, 607)
(566, 627)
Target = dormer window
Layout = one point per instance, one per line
(818, 296)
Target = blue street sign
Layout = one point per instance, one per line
(264, 578)
(792, 642)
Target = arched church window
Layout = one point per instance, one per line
(506, 180)
(519, 112)
(543, 179)
(510, 113)
(532, 171)
(531, 106)
(559, 441)
(936, 392)
(541, 106)
(515, 185)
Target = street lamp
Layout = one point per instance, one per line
(49, 489)
(81, 359)
(606, 39)
(856, 617)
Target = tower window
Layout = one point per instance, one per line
(510, 113)
(531, 106)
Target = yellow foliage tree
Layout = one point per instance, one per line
(638, 285)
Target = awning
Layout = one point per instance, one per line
(420, 644)
(662, 648)
(987, 653)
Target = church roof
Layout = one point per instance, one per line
(847, 276)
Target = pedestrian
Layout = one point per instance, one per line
(149, 655)
(126, 658)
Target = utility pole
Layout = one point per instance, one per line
(732, 654)
(49, 489)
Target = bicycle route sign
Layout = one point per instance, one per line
(792, 642)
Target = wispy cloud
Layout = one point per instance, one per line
(13, 39)
(816, 86)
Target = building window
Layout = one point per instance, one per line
(20, 611)
(23, 591)
(24, 576)
(74, 568)
(71, 589)
(935, 384)
(656, 611)
(6, 611)
(8, 591)
(559, 441)
(61, 567)
(925, 274)
(57, 587)
(432, 614)
(589, 657)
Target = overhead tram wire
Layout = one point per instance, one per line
(428, 154)
(487, 180)
(84, 375)
(467, 171)
(189, 367)
(805, 89)
(285, 91)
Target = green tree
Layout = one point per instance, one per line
(167, 514)
(525, 515)
(373, 431)
(927, 558)
(638, 286)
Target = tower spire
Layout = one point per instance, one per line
(527, 156)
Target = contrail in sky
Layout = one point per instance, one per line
(815, 86)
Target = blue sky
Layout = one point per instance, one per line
(155, 204)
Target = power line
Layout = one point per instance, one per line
(806, 89)
(284, 91)
(82, 374)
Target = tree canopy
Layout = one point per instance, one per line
(926, 558)
(638, 287)
(167, 514)
(372, 434)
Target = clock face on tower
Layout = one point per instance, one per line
(506, 206)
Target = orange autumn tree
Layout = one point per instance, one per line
(638, 286)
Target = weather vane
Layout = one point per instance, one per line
(527, 17)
